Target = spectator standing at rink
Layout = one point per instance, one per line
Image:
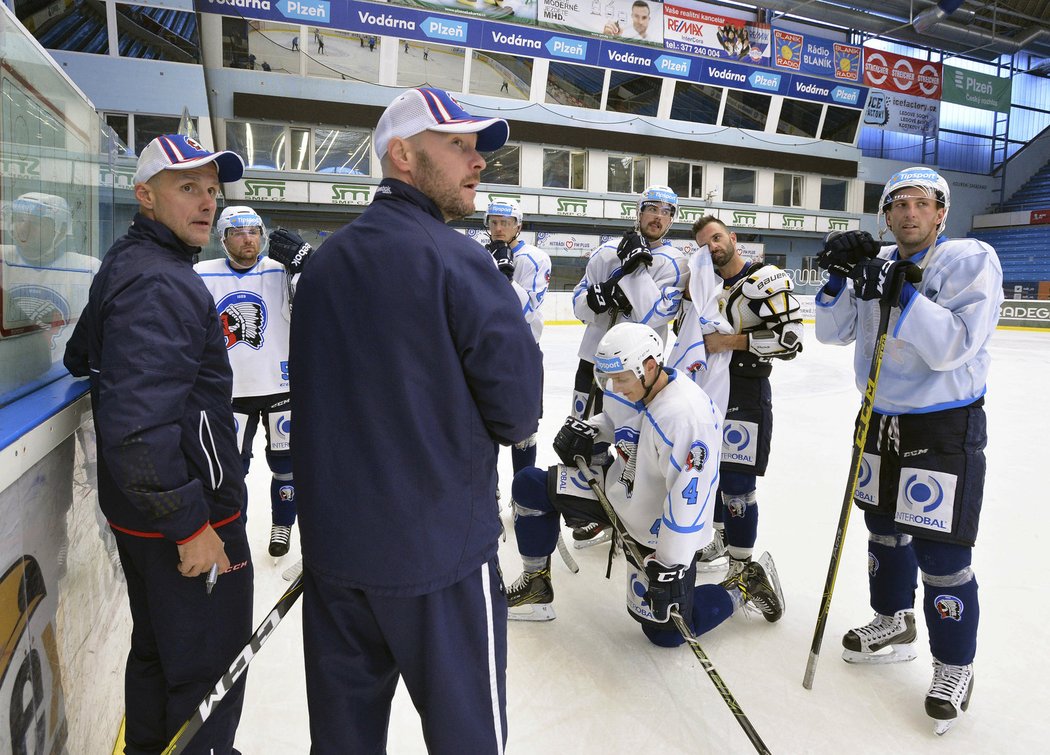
(662, 484)
(320, 45)
(529, 271)
(169, 473)
(426, 53)
(397, 477)
(253, 295)
(295, 43)
(371, 44)
(639, 279)
(766, 320)
(406, 47)
(927, 433)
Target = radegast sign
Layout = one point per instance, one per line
(977, 90)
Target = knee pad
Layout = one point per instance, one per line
(529, 493)
(738, 483)
(944, 563)
(665, 638)
(280, 465)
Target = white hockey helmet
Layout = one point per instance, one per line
(926, 180)
(239, 216)
(503, 208)
(658, 195)
(624, 348)
(51, 206)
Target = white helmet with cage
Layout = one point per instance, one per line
(49, 206)
(503, 208)
(239, 216)
(926, 180)
(625, 348)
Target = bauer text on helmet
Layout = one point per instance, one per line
(427, 109)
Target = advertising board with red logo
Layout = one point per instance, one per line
(902, 74)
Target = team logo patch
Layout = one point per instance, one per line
(243, 316)
(873, 564)
(627, 449)
(948, 607)
(926, 499)
(286, 493)
(868, 480)
(739, 442)
(698, 454)
(40, 307)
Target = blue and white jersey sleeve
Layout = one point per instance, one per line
(602, 265)
(532, 275)
(655, 292)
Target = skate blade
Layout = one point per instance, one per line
(605, 537)
(531, 612)
(766, 561)
(940, 728)
(714, 565)
(890, 654)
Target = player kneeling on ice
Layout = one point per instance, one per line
(661, 482)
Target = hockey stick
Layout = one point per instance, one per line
(187, 731)
(911, 274)
(683, 628)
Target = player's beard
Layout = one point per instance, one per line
(443, 191)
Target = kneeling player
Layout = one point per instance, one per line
(662, 482)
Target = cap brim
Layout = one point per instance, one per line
(492, 132)
(229, 165)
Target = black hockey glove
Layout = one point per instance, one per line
(876, 279)
(667, 586)
(504, 256)
(288, 248)
(601, 297)
(576, 438)
(633, 252)
(844, 249)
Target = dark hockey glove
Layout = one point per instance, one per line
(843, 250)
(633, 252)
(667, 586)
(288, 248)
(883, 279)
(575, 438)
(504, 256)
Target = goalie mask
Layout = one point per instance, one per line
(929, 182)
(625, 348)
(240, 220)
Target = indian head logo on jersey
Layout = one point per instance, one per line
(243, 316)
(33, 307)
(626, 446)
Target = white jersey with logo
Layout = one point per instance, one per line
(532, 277)
(254, 308)
(36, 296)
(655, 292)
(663, 480)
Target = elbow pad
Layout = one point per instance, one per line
(783, 341)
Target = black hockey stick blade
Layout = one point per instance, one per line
(187, 731)
(679, 622)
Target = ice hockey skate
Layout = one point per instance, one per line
(759, 587)
(714, 556)
(886, 639)
(949, 694)
(531, 597)
(280, 539)
(590, 534)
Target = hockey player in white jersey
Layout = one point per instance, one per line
(44, 283)
(922, 473)
(253, 295)
(638, 279)
(528, 269)
(765, 322)
(661, 481)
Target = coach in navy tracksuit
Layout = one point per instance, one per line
(170, 477)
(410, 361)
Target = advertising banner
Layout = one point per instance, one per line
(713, 35)
(568, 244)
(902, 112)
(817, 56)
(633, 20)
(977, 90)
(902, 74)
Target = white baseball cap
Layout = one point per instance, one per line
(178, 152)
(426, 109)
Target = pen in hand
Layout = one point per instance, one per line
(213, 577)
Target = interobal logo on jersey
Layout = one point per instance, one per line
(280, 431)
(626, 446)
(926, 499)
(39, 307)
(739, 441)
(243, 315)
(868, 480)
